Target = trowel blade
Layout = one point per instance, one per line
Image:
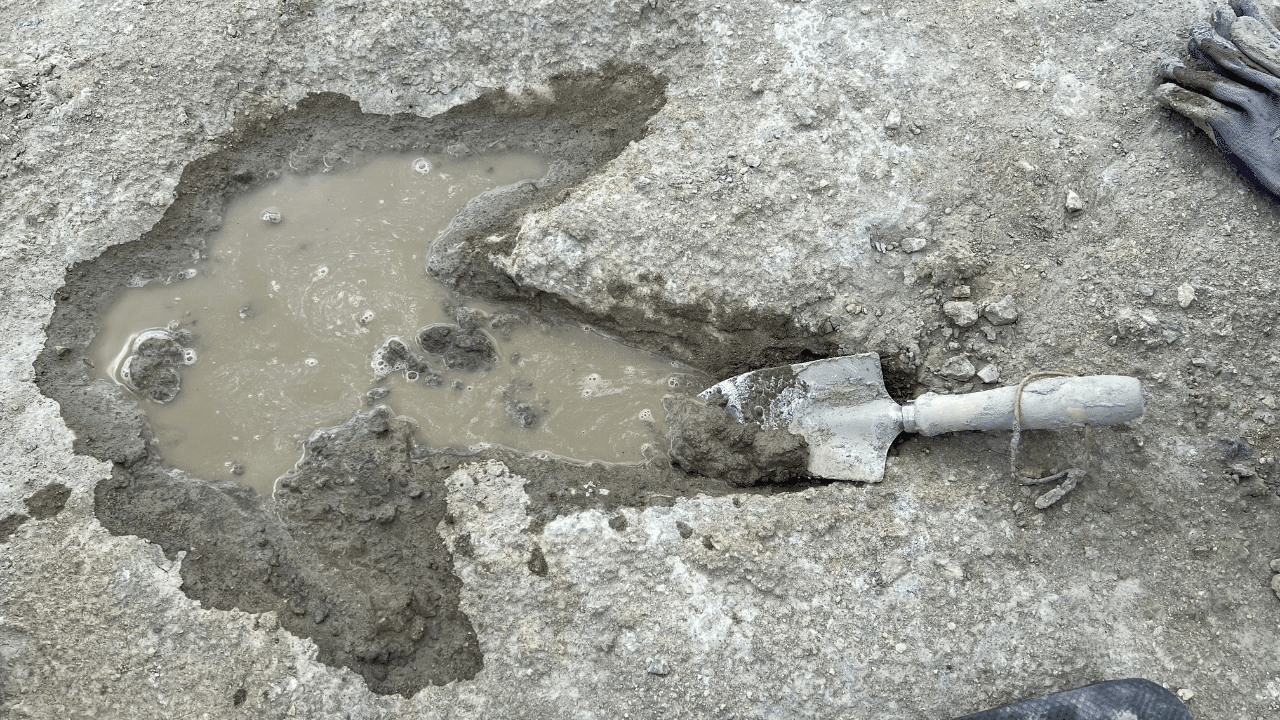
(839, 405)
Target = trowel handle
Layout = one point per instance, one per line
(1050, 404)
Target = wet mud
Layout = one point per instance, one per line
(47, 502)
(707, 440)
(349, 555)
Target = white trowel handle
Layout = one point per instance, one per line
(1050, 404)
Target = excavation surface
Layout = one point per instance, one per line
(735, 185)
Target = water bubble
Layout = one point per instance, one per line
(187, 274)
(366, 317)
(411, 375)
(188, 356)
(590, 384)
(673, 381)
(422, 165)
(311, 362)
(646, 415)
(320, 272)
(271, 215)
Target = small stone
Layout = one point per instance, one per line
(960, 292)
(893, 121)
(1002, 312)
(10, 101)
(1074, 203)
(1185, 694)
(61, 350)
(957, 368)
(989, 373)
(962, 313)
(1275, 565)
(807, 115)
(272, 216)
(757, 85)
(1186, 295)
(656, 666)
(914, 244)
(751, 161)
(1146, 290)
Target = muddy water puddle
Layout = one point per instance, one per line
(312, 303)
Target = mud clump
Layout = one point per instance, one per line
(463, 346)
(707, 440)
(523, 414)
(152, 367)
(48, 501)
(394, 355)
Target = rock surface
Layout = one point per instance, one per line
(721, 174)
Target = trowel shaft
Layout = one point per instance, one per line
(1049, 404)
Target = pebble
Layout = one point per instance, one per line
(960, 292)
(1146, 290)
(957, 368)
(893, 121)
(1074, 203)
(807, 115)
(1275, 585)
(751, 161)
(271, 215)
(963, 313)
(1002, 312)
(1186, 295)
(1275, 565)
(989, 373)
(1185, 694)
(914, 244)
(655, 666)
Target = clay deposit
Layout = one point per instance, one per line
(976, 192)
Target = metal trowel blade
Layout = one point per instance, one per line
(839, 405)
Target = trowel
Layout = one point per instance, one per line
(840, 406)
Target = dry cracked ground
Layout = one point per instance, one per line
(735, 184)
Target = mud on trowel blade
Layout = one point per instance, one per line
(840, 406)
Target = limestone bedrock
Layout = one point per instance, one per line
(937, 593)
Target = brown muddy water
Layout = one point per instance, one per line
(308, 306)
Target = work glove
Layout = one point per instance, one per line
(1236, 100)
